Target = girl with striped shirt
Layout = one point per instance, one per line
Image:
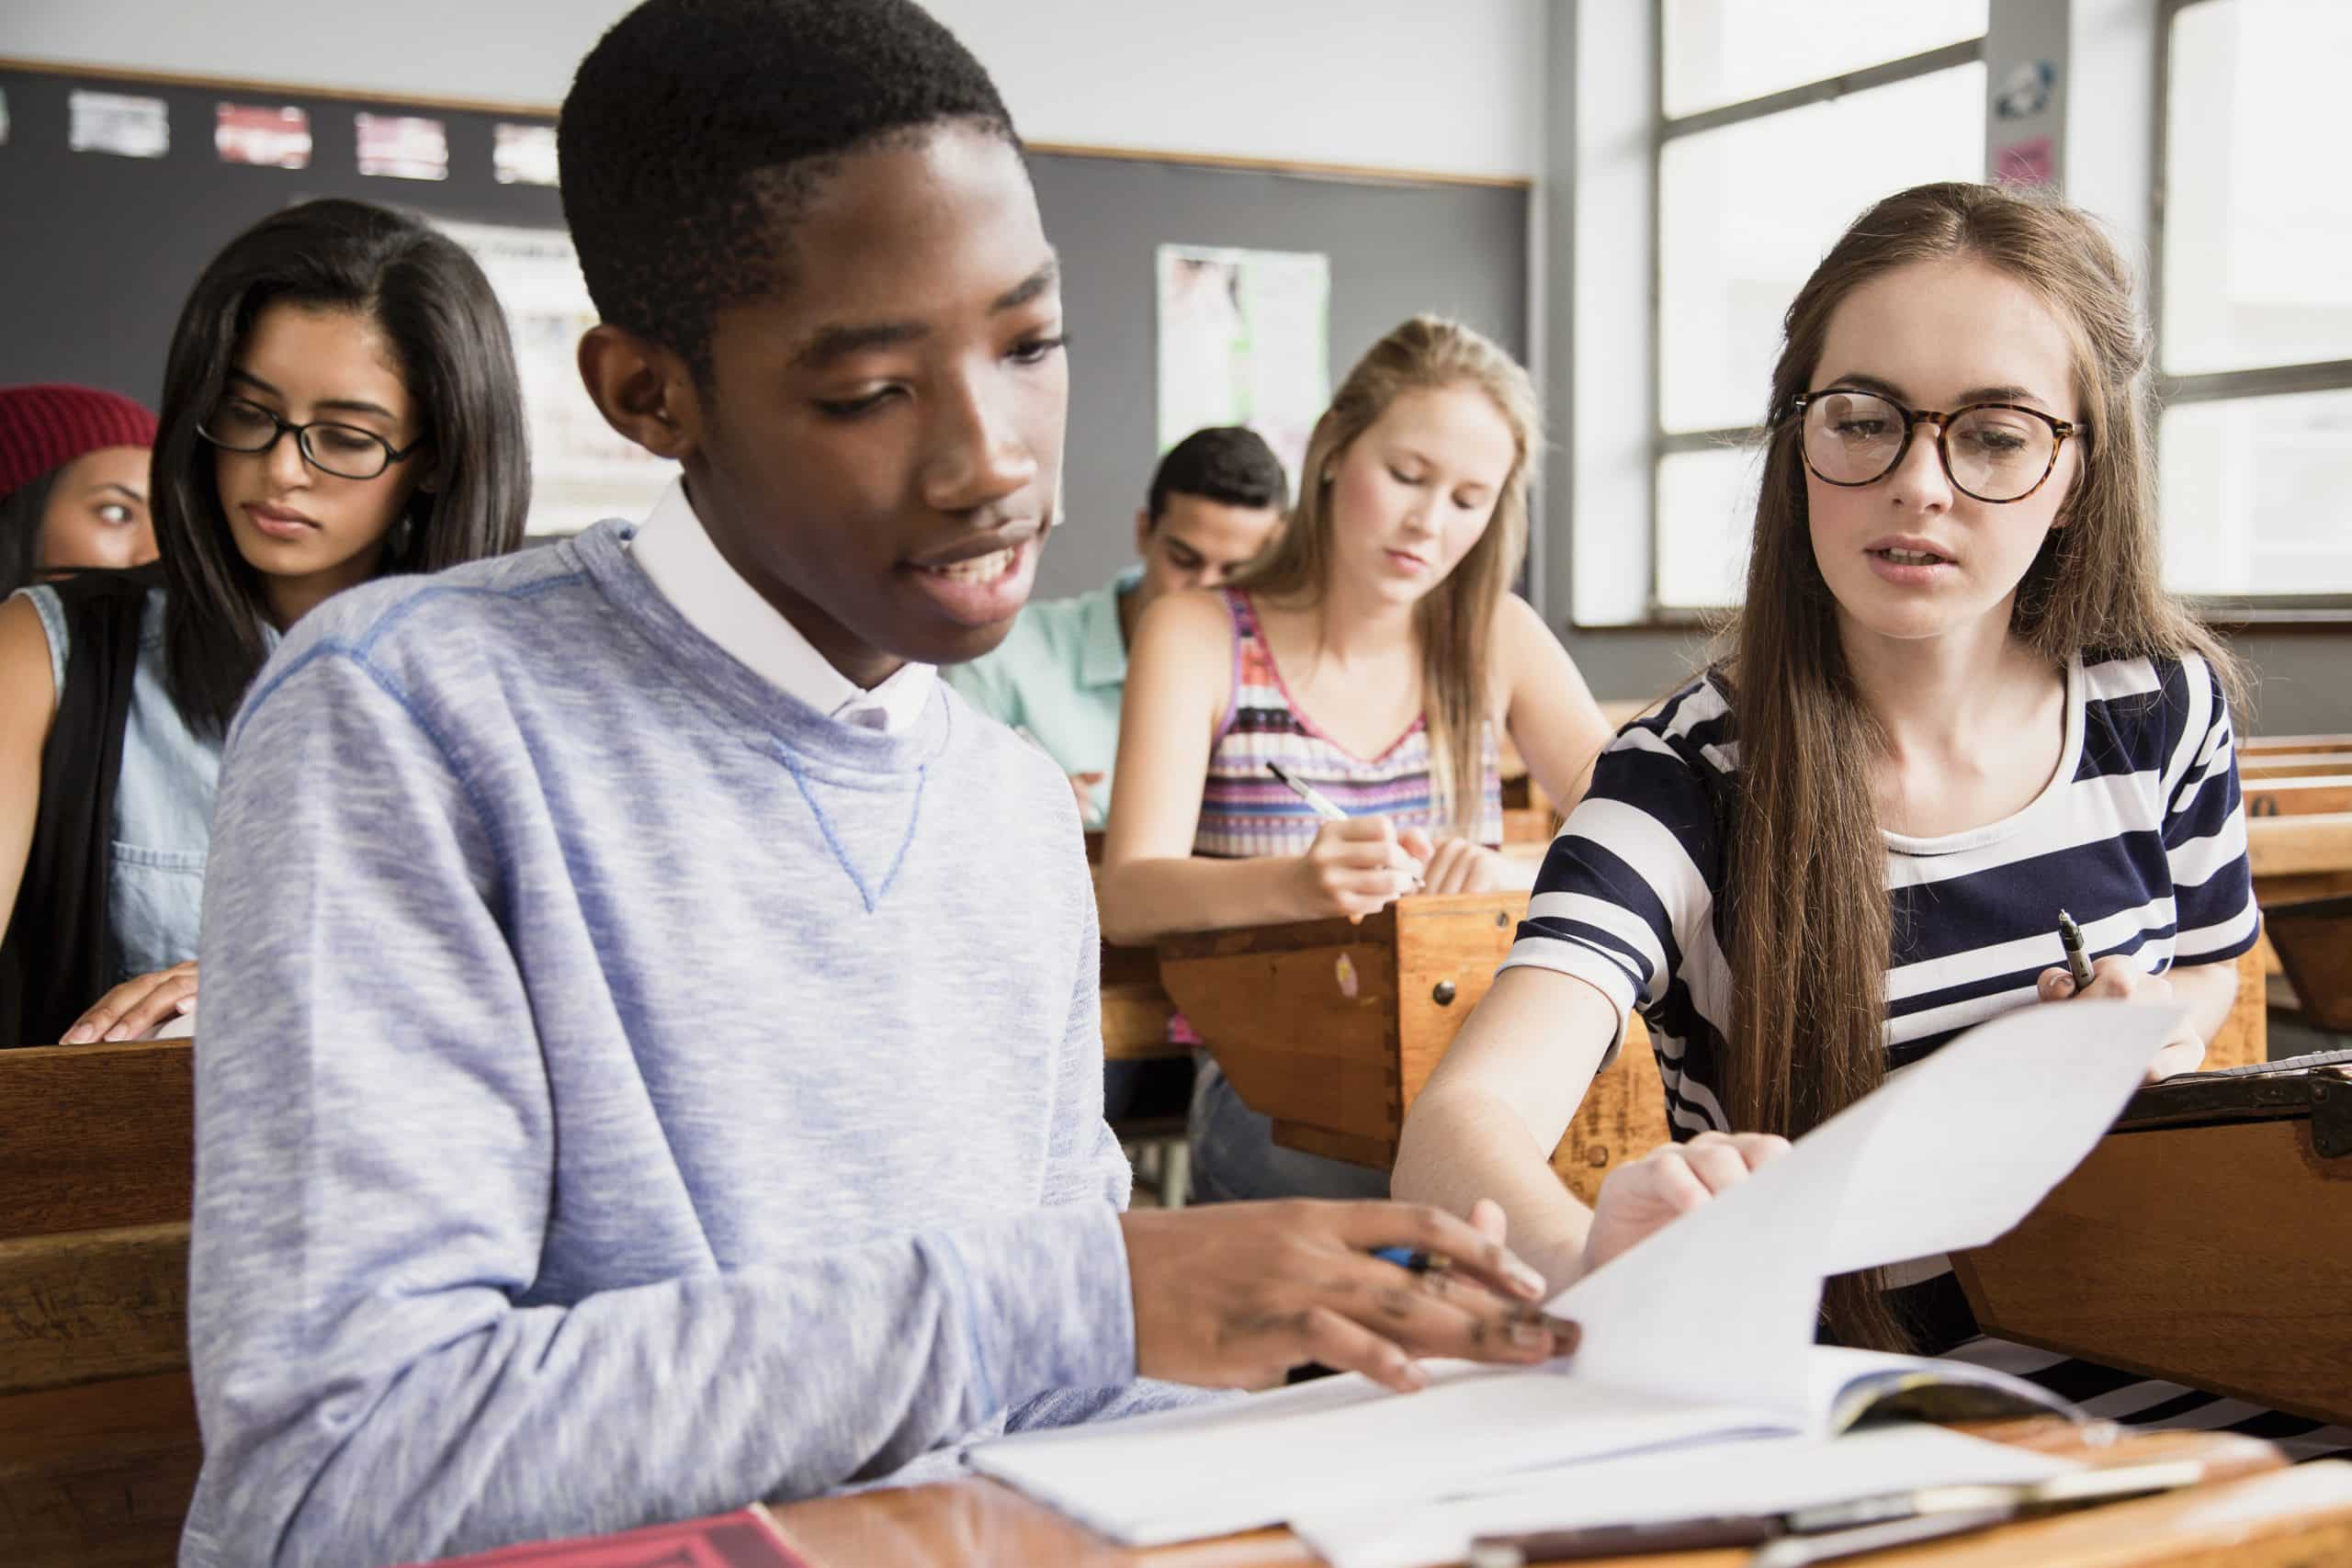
(1375, 654)
(1955, 698)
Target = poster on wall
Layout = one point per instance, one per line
(582, 470)
(124, 124)
(403, 147)
(524, 154)
(274, 137)
(1244, 339)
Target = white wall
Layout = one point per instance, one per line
(1395, 84)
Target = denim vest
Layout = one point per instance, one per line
(162, 804)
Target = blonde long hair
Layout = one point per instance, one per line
(1455, 621)
(1810, 928)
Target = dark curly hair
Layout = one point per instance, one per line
(696, 131)
(1229, 464)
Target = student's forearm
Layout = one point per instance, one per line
(2208, 991)
(1462, 1145)
(1144, 900)
(410, 1427)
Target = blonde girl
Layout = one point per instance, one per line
(1376, 654)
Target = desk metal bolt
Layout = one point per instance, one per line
(1443, 993)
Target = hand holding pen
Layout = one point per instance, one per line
(1357, 866)
(2118, 978)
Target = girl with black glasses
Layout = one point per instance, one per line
(340, 403)
(1956, 698)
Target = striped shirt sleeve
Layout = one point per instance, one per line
(2204, 821)
(1628, 885)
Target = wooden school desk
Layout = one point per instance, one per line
(2207, 1240)
(2249, 1513)
(1331, 1029)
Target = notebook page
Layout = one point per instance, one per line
(1189, 1474)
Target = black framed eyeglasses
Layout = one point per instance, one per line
(1992, 452)
(344, 450)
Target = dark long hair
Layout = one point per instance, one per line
(445, 325)
(22, 513)
(1810, 921)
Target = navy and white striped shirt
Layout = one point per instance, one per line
(2140, 835)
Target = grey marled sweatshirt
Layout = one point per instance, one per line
(622, 1092)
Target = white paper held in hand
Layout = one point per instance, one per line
(1949, 1153)
(1701, 1332)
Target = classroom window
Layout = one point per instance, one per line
(1780, 121)
(2254, 226)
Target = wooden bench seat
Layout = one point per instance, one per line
(98, 1443)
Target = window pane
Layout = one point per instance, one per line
(1706, 508)
(2259, 212)
(1747, 211)
(1724, 52)
(2257, 495)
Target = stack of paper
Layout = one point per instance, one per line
(1703, 1332)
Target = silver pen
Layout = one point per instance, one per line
(1317, 801)
(1320, 803)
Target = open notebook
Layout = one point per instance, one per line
(1703, 1332)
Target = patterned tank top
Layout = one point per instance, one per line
(1245, 810)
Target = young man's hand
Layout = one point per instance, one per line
(1084, 786)
(1233, 1295)
(1670, 1181)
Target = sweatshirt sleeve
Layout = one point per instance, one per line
(1085, 1161)
(378, 1377)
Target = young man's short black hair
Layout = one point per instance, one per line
(1225, 462)
(697, 131)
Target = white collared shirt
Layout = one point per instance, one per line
(672, 550)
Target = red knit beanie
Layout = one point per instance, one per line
(44, 428)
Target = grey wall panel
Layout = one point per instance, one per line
(1395, 249)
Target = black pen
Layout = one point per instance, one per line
(2070, 937)
(1623, 1540)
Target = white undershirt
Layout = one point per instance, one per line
(673, 551)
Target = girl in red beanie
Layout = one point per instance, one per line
(73, 482)
(340, 401)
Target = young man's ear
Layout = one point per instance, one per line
(1143, 528)
(644, 390)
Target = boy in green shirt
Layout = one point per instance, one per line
(1215, 501)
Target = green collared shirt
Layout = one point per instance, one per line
(1060, 675)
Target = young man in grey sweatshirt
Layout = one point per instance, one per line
(649, 1057)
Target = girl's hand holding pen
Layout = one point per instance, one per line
(2118, 978)
(1359, 866)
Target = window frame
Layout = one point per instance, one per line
(2329, 610)
(1665, 129)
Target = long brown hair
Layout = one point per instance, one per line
(1810, 928)
(1455, 621)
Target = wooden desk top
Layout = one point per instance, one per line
(2254, 1515)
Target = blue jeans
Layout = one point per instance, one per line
(1235, 1156)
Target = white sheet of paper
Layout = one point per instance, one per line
(1348, 1443)
(1951, 1153)
(1765, 1475)
(1701, 1334)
